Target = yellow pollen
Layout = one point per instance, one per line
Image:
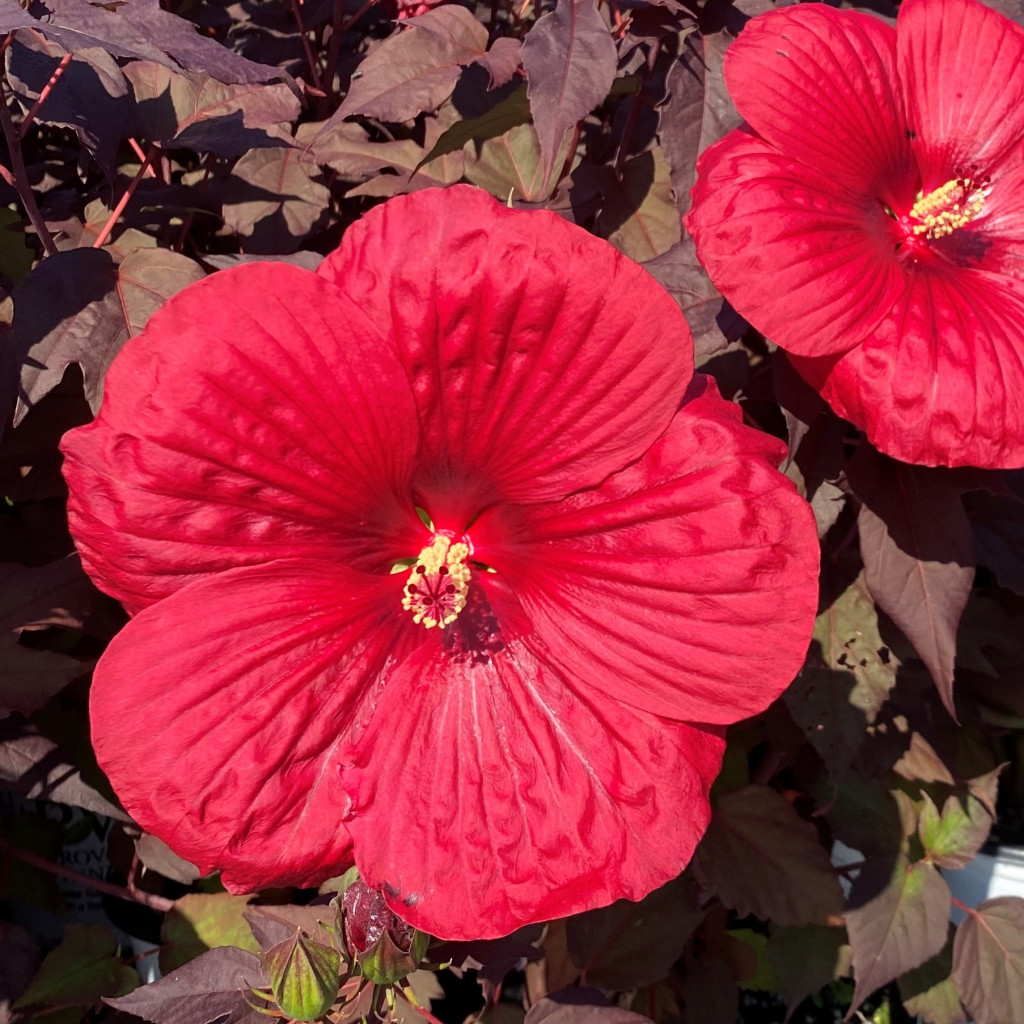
(950, 207)
(438, 583)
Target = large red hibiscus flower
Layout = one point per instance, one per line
(433, 557)
(871, 218)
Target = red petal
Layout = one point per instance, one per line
(819, 85)
(809, 263)
(941, 381)
(532, 371)
(217, 714)
(685, 585)
(492, 792)
(962, 67)
(260, 415)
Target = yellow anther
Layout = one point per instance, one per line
(950, 207)
(438, 583)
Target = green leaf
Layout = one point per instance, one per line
(988, 960)
(16, 256)
(202, 921)
(952, 838)
(81, 970)
(804, 960)
(511, 112)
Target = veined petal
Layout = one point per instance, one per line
(259, 415)
(246, 683)
(492, 792)
(820, 86)
(962, 68)
(941, 381)
(806, 261)
(532, 372)
(685, 585)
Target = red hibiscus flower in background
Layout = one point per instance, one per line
(490, 713)
(870, 220)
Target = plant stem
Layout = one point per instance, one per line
(140, 153)
(19, 177)
(47, 89)
(314, 71)
(158, 903)
(128, 193)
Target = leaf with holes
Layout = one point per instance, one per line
(918, 553)
(847, 677)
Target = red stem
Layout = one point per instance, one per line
(128, 193)
(19, 177)
(314, 71)
(158, 903)
(141, 154)
(47, 89)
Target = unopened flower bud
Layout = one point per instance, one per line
(385, 947)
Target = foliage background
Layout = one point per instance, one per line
(147, 145)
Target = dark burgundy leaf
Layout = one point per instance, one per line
(80, 307)
(142, 29)
(629, 945)
(570, 64)
(58, 594)
(29, 678)
(195, 111)
(698, 110)
(918, 553)
(998, 524)
(414, 70)
(495, 956)
(710, 992)
(347, 149)
(91, 97)
(806, 959)
(862, 814)
(760, 857)
(13, 17)
(921, 763)
(271, 200)
(712, 320)
(896, 921)
(157, 856)
(510, 166)
(273, 925)
(19, 957)
(215, 987)
(36, 768)
(502, 60)
(580, 1006)
(988, 960)
(304, 259)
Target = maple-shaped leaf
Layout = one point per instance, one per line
(896, 921)
(216, 986)
(988, 960)
(760, 857)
